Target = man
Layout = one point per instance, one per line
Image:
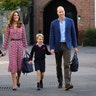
(62, 38)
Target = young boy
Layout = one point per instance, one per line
(39, 50)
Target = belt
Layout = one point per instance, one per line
(62, 42)
(16, 39)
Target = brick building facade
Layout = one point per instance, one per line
(44, 11)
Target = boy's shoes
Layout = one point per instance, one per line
(41, 84)
(68, 87)
(38, 86)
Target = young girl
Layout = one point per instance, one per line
(39, 50)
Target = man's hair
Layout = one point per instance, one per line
(60, 7)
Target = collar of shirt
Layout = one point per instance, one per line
(62, 20)
(39, 44)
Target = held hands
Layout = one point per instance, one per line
(30, 62)
(52, 51)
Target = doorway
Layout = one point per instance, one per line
(50, 14)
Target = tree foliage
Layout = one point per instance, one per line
(13, 4)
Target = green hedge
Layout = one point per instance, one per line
(90, 37)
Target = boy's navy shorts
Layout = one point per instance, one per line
(39, 65)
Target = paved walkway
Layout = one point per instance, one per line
(84, 80)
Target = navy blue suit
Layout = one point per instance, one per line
(70, 34)
(63, 48)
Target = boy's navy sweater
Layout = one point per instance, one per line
(39, 52)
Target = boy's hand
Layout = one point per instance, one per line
(52, 51)
(30, 62)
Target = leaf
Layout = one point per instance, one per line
(13, 4)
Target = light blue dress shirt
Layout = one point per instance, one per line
(62, 30)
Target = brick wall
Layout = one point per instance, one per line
(85, 8)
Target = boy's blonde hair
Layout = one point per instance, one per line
(39, 35)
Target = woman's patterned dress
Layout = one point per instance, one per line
(16, 38)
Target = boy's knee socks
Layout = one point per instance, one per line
(41, 83)
(38, 85)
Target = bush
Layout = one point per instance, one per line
(90, 37)
(81, 34)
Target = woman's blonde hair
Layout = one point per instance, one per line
(11, 19)
(39, 35)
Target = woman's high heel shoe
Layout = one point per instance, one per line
(14, 89)
(18, 84)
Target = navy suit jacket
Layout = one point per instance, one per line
(70, 34)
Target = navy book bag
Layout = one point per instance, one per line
(74, 65)
(26, 67)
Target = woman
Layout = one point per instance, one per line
(15, 34)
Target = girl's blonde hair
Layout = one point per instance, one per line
(39, 35)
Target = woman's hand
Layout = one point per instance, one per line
(3, 53)
(26, 51)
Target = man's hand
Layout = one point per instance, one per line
(75, 50)
(52, 51)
